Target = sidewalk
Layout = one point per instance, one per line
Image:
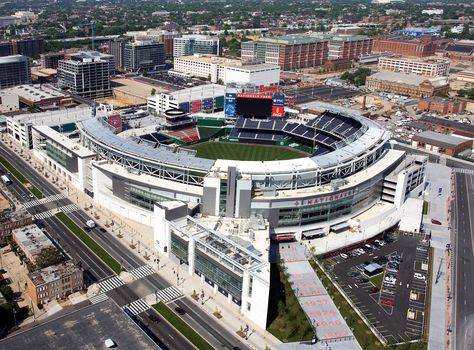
(439, 176)
(141, 236)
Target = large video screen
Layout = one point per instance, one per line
(253, 105)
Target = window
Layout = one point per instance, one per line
(249, 306)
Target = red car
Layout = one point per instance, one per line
(373, 290)
(387, 302)
(435, 222)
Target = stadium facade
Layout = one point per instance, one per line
(189, 200)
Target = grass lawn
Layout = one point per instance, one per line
(88, 241)
(363, 334)
(236, 151)
(426, 206)
(377, 280)
(20, 177)
(287, 319)
(182, 327)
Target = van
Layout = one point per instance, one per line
(90, 224)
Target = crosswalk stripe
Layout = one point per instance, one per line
(142, 271)
(65, 209)
(44, 215)
(110, 284)
(136, 307)
(44, 200)
(98, 298)
(169, 294)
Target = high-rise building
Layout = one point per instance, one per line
(144, 55)
(14, 70)
(116, 49)
(28, 47)
(51, 60)
(86, 74)
(289, 52)
(419, 47)
(5, 49)
(188, 45)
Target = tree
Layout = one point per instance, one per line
(7, 292)
(153, 91)
(47, 257)
(220, 82)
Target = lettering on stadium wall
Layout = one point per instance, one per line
(327, 199)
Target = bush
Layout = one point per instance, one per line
(7, 292)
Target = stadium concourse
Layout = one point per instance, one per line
(345, 184)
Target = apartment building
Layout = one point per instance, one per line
(413, 47)
(31, 240)
(190, 44)
(203, 66)
(51, 60)
(143, 55)
(346, 48)
(54, 282)
(87, 74)
(427, 67)
(117, 49)
(14, 70)
(290, 52)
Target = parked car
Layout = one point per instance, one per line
(419, 276)
(435, 222)
(388, 291)
(344, 256)
(387, 302)
(373, 290)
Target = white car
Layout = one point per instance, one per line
(419, 276)
(344, 256)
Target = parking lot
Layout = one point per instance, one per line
(393, 301)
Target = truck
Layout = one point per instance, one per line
(90, 224)
(5, 179)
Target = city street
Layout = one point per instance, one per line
(463, 213)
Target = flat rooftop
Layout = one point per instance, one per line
(87, 328)
(408, 79)
(135, 88)
(59, 117)
(211, 59)
(438, 139)
(34, 93)
(198, 92)
(71, 145)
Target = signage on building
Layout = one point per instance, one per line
(229, 107)
(277, 111)
(260, 96)
(115, 121)
(328, 199)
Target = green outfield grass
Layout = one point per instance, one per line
(236, 151)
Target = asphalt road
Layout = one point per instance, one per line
(204, 324)
(464, 262)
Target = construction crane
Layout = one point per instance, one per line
(91, 25)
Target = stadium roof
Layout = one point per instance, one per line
(59, 117)
(102, 134)
(438, 139)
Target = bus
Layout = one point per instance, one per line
(5, 179)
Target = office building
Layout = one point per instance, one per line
(5, 49)
(289, 52)
(86, 74)
(14, 70)
(190, 44)
(51, 60)
(407, 84)
(28, 47)
(54, 282)
(441, 105)
(419, 47)
(346, 48)
(427, 67)
(117, 49)
(144, 55)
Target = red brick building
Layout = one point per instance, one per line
(422, 47)
(441, 105)
(459, 52)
